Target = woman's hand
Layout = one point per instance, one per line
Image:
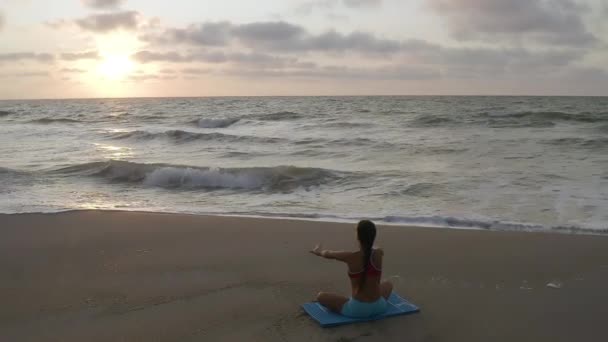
(317, 250)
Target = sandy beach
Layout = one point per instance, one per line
(120, 276)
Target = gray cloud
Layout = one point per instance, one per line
(103, 4)
(551, 22)
(195, 71)
(281, 41)
(275, 36)
(25, 74)
(362, 3)
(141, 78)
(72, 70)
(80, 55)
(58, 24)
(32, 56)
(257, 59)
(308, 7)
(341, 72)
(102, 23)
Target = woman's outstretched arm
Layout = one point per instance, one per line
(337, 255)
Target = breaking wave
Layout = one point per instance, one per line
(216, 123)
(278, 178)
(431, 121)
(280, 116)
(47, 121)
(180, 136)
(593, 144)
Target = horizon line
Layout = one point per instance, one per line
(261, 96)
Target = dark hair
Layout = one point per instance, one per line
(366, 234)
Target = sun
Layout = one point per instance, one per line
(116, 67)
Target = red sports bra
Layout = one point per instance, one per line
(372, 270)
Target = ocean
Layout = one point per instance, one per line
(500, 163)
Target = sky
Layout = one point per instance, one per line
(150, 48)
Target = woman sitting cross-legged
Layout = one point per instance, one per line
(369, 294)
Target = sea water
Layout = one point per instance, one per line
(514, 163)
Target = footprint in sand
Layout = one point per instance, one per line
(525, 286)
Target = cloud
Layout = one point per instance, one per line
(72, 70)
(80, 55)
(549, 22)
(207, 34)
(58, 24)
(103, 4)
(102, 23)
(140, 78)
(2, 21)
(149, 77)
(274, 48)
(362, 3)
(258, 59)
(342, 72)
(25, 74)
(274, 36)
(195, 71)
(32, 56)
(308, 7)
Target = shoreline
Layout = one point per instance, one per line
(511, 226)
(132, 276)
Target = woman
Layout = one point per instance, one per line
(369, 295)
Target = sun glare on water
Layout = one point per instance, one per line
(116, 67)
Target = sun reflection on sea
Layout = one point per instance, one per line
(114, 152)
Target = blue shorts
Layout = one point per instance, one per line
(358, 309)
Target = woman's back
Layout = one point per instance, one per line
(365, 283)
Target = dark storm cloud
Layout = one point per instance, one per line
(80, 55)
(103, 4)
(107, 22)
(551, 22)
(31, 56)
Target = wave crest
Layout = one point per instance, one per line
(47, 121)
(279, 178)
(216, 123)
(180, 136)
(592, 144)
(280, 116)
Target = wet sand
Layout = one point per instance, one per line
(119, 276)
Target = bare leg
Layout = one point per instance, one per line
(386, 287)
(332, 301)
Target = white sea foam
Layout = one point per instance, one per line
(173, 177)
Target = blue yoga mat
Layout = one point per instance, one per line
(396, 306)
